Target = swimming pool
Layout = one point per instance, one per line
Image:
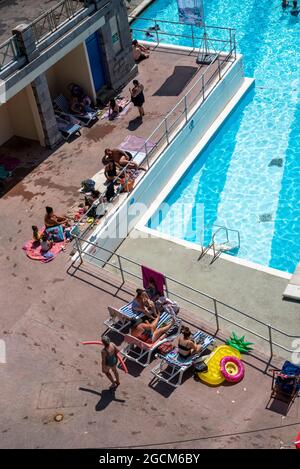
(248, 177)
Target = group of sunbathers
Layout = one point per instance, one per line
(80, 102)
(149, 304)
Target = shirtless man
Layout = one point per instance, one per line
(120, 158)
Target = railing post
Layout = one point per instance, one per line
(219, 69)
(185, 109)
(156, 30)
(78, 247)
(147, 157)
(193, 38)
(167, 130)
(216, 314)
(270, 341)
(166, 286)
(121, 269)
(203, 87)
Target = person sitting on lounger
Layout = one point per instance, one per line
(149, 332)
(82, 98)
(162, 303)
(186, 346)
(53, 220)
(139, 52)
(142, 304)
(120, 157)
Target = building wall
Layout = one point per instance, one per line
(21, 116)
(6, 130)
(73, 67)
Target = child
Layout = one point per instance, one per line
(46, 245)
(35, 233)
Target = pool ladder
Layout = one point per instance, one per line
(216, 248)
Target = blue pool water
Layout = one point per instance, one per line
(248, 177)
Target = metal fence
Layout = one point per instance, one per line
(56, 17)
(162, 32)
(193, 300)
(9, 52)
(164, 134)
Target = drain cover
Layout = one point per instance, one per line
(58, 417)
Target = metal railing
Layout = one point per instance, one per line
(9, 52)
(214, 307)
(219, 247)
(164, 134)
(153, 32)
(56, 17)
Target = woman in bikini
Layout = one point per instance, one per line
(109, 361)
(149, 332)
(186, 346)
(142, 304)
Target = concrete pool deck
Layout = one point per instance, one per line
(254, 292)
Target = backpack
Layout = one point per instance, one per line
(88, 185)
(55, 234)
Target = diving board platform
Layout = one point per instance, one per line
(292, 291)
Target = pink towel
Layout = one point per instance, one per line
(158, 278)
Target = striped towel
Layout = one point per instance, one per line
(173, 357)
(127, 311)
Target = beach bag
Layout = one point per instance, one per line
(55, 233)
(88, 185)
(165, 348)
(127, 184)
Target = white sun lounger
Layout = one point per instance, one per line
(172, 367)
(140, 352)
(120, 318)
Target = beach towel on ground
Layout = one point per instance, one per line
(134, 144)
(124, 103)
(158, 278)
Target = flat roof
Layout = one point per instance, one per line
(13, 12)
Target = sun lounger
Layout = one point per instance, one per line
(121, 318)
(61, 105)
(172, 367)
(67, 129)
(140, 352)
